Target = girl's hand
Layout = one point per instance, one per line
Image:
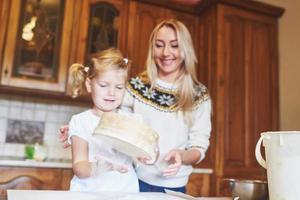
(174, 159)
(110, 165)
(63, 135)
(145, 160)
(149, 161)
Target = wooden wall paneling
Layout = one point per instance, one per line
(205, 69)
(198, 185)
(249, 89)
(143, 19)
(234, 133)
(67, 175)
(188, 19)
(207, 74)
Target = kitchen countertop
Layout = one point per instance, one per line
(63, 195)
(12, 161)
(59, 163)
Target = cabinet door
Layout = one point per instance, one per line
(98, 25)
(4, 5)
(37, 44)
(142, 20)
(198, 185)
(251, 81)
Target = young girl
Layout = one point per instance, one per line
(105, 79)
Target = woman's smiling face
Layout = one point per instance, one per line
(167, 54)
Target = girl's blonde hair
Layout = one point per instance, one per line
(187, 78)
(99, 62)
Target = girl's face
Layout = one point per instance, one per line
(107, 89)
(167, 55)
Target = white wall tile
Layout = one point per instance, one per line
(52, 112)
(3, 111)
(4, 100)
(50, 128)
(41, 106)
(1, 147)
(51, 116)
(2, 136)
(27, 114)
(15, 113)
(16, 101)
(39, 115)
(3, 123)
(10, 149)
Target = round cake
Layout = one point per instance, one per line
(128, 135)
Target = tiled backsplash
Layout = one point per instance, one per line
(52, 112)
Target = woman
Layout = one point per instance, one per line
(174, 103)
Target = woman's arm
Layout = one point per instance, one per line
(198, 142)
(199, 133)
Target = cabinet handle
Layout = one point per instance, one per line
(5, 71)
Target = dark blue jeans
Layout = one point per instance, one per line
(145, 187)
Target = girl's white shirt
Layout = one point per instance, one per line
(83, 125)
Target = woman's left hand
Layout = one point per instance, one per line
(174, 159)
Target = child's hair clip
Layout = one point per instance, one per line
(125, 60)
(86, 69)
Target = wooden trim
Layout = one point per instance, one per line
(253, 6)
(59, 96)
(4, 7)
(201, 5)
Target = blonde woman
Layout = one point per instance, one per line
(175, 104)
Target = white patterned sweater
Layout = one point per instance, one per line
(157, 106)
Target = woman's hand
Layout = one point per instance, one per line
(63, 135)
(174, 160)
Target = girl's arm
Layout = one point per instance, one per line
(80, 161)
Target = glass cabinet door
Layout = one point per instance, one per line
(101, 25)
(36, 50)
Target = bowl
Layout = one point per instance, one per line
(127, 135)
(249, 189)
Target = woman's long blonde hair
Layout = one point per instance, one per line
(187, 79)
(99, 62)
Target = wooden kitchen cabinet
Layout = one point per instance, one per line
(35, 41)
(239, 58)
(34, 179)
(198, 185)
(98, 25)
